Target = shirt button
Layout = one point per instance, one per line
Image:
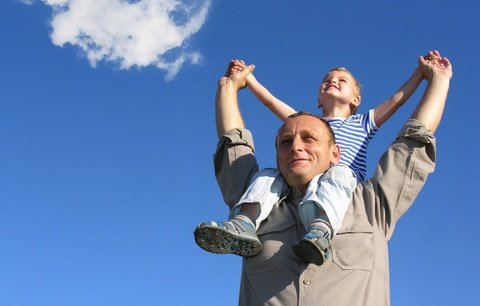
(306, 282)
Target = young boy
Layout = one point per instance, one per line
(328, 195)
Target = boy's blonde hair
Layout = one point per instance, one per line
(357, 86)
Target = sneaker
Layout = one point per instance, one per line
(314, 247)
(235, 236)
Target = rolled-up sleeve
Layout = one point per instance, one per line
(235, 164)
(402, 172)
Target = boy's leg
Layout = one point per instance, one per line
(265, 190)
(238, 235)
(322, 210)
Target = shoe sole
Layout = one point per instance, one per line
(309, 252)
(220, 241)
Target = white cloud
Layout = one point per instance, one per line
(28, 2)
(133, 33)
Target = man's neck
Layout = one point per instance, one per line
(295, 194)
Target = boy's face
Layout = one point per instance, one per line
(338, 86)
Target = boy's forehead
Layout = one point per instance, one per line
(342, 72)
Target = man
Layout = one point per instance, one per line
(358, 273)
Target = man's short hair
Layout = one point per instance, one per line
(331, 135)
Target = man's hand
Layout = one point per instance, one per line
(434, 65)
(227, 111)
(236, 74)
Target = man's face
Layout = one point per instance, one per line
(304, 150)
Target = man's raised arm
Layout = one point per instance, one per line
(228, 114)
(234, 161)
(437, 71)
(404, 168)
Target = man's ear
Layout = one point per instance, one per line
(335, 154)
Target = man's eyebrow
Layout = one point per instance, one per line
(308, 133)
(284, 135)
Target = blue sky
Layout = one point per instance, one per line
(107, 139)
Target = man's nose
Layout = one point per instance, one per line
(297, 144)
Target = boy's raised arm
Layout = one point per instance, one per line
(386, 109)
(281, 109)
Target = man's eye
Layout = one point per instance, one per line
(285, 142)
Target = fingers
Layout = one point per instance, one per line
(434, 64)
(425, 61)
(237, 65)
(237, 73)
(242, 75)
(432, 57)
(436, 60)
(249, 68)
(234, 66)
(444, 62)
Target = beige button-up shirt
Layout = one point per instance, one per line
(358, 273)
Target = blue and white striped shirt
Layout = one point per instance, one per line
(353, 134)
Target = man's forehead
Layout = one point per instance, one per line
(304, 123)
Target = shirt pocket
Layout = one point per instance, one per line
(273, 237)
(352, 246)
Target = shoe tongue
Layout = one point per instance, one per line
(320, 226)
(244, 222)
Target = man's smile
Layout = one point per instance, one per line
(298, 161)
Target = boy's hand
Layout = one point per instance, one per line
(236, 73)
(234, 67)
(432, 57)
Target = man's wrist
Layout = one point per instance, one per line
(229, 84)
(441, 78)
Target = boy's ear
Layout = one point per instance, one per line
(355, 102)
(319, 104)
